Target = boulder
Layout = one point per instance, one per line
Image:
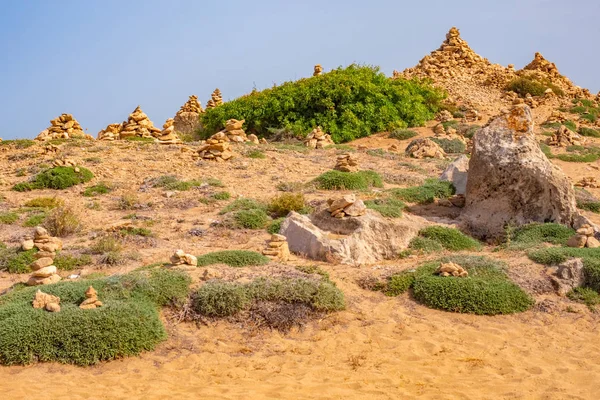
(510, 180)
(456, 173)
(350, 240)
(568, 276)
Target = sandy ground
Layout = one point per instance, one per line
(379, 348)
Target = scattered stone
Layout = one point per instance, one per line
(318, 70)
(584, 238)
(451, 269)
(564, 137)
(346, 163)
(64, 162)
(91, 299)
(318, 139)
(424, 148)
(511, 180)
(457, 173)
(253, 138)
(181, 258)
(46, 301)
(277, 248)
(63, 127)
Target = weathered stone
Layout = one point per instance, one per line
(568, 276)
(451, 269)
(510, 180)
(457, 173)
(45, 272)
(592, 242)
(41, 263)
(424, 148)
(355, 209)
(27, 244)
(342, 202)
(46, 301)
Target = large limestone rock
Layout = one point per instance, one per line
(511, 180)
(457, 173)
(568, 276)
(187, 119)
(352, 240)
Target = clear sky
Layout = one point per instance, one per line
(99, 59)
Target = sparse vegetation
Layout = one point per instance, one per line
(450, 238)
(62, 221)
(583, 131)
(67, 262)
(426, 193)
(275, 226)
(56, 178)
(255, 153)
(402, 134)
(44, 202)
(337, 180)
(8, 217)
(18, 143)
(389, 208)
(14, 260)
(530, 85)
(171, 182)
(281, 205)
(534, 234)
(35, 219)
(233, 258)
(584, 295)
(251, 219)
(221, 195)
(100, 188)
(450, 146)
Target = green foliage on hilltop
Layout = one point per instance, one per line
(348, 103)
(56, 178)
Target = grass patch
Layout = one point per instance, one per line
(233, 258)
(16, 261)
(67, 262)
(251, 219)
(243, 204)
(56, 178)
(450, 238)
(275, 225)
(35, 220)
(8, 217)
(534, 234)
(62, 222)
(486, 291)
(592, 206)
(584, 295)
(546, 150)
(589, 132)
(136, 231)
(450, 146)
(127, 324)
(256, 154)
(338, 180)
(221, 195)
(171, 182)
(18, 143)
(402, 134)
(426, 193)
(98, 189)
(426, 245)
(530, 85)
(557, 255)
(44, 202)
(389, 208)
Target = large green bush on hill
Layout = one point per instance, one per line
(348, 103)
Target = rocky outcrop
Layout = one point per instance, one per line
(510, 180)
(91, 300)
(351, 240)
(181, 258)
(277, 248)
(346, 162)
(318, 139)
(187, 119)
(46, 301)
(568, 276)
(424, 148)
(588, 182)
(457, 173)
(63, 127)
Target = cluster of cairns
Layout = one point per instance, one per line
(44, 272)
(451, 269)
(424, 148)
(91, 300)
(187, 119)
(216, 99)
(63, 127)
(277, 248)
(564, 137)
(584, 238)
(346, 162)
(588, 182)
(318, 70)
(347, 205)
(181, 258)
(137, 125)
(318, 139)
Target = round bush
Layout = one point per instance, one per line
(486, 291)
(399, 283)
(220, 299)
(57, 178)
(450, 238)
(251, 219)
(338, 180)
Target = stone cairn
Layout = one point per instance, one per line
(588, 182)
(138, 125)
(91, 299)
(564, 137)
(448, 133)
(168, 135)
(44, 272)
(63, 127)
(347, 205)
(111, 132)
(46, 301)
(277, 248)
(346, 163)
(181, 258)
(187, 119)
(451, 269)
(584, 238)
(318, 71)
(216, 99)
(216, 148)
(234, 131)
(318, 139)
(424, 148)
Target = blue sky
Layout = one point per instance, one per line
(99, 59)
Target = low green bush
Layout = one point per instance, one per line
(275, 225)
(16, 261)
(243, 204)
(100, 188)
(557, 255)
(171, 182)
(399, 283)
(18, 143)
(338, 180)
(35, 219)
(67, 262)
(402, 134)
(450, 146)
(56, 178)
(533, 86)
(8, 217)
(257, 154)
(221, 195)
(425, 245)
(581, 158)
(583, 131)
(546, 150)
(233, 258)
(486, 291)
(127, 324)
(426, 193)
(281, 205)
(62, 222)
(44, 202)
(593, 206)
(531, 235)
(389, 208)
(584, 295)
(450, 238)
(251, 219)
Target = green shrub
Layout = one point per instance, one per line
(233, 258)
(450, 146)
(67, 262)
(251, 219)
(533, 234)
(546, 150)
(338, 180)
(426, 245)
(8, 217)
(221, 195)
(44, 202)
(583, 158)
(587, 296)
(170, 182)
(450, 124)
(243, 204)
(486, 291)
(275, 225)
(347, 102)
(583, 131)
(593, 206)
(16, 261)
(524, 85)
(450, 238)
(281, 205)
(62, 222)
(35, 220)
(403, 134)
(591, 118)
(399, 283)
(426, 193)
(220, 299)
(56, 178)
(127, 324)
(389, 208)
(256, 154)
(100, 188)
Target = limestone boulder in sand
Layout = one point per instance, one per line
(510, 180)
(181, 258)
(351, 240)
